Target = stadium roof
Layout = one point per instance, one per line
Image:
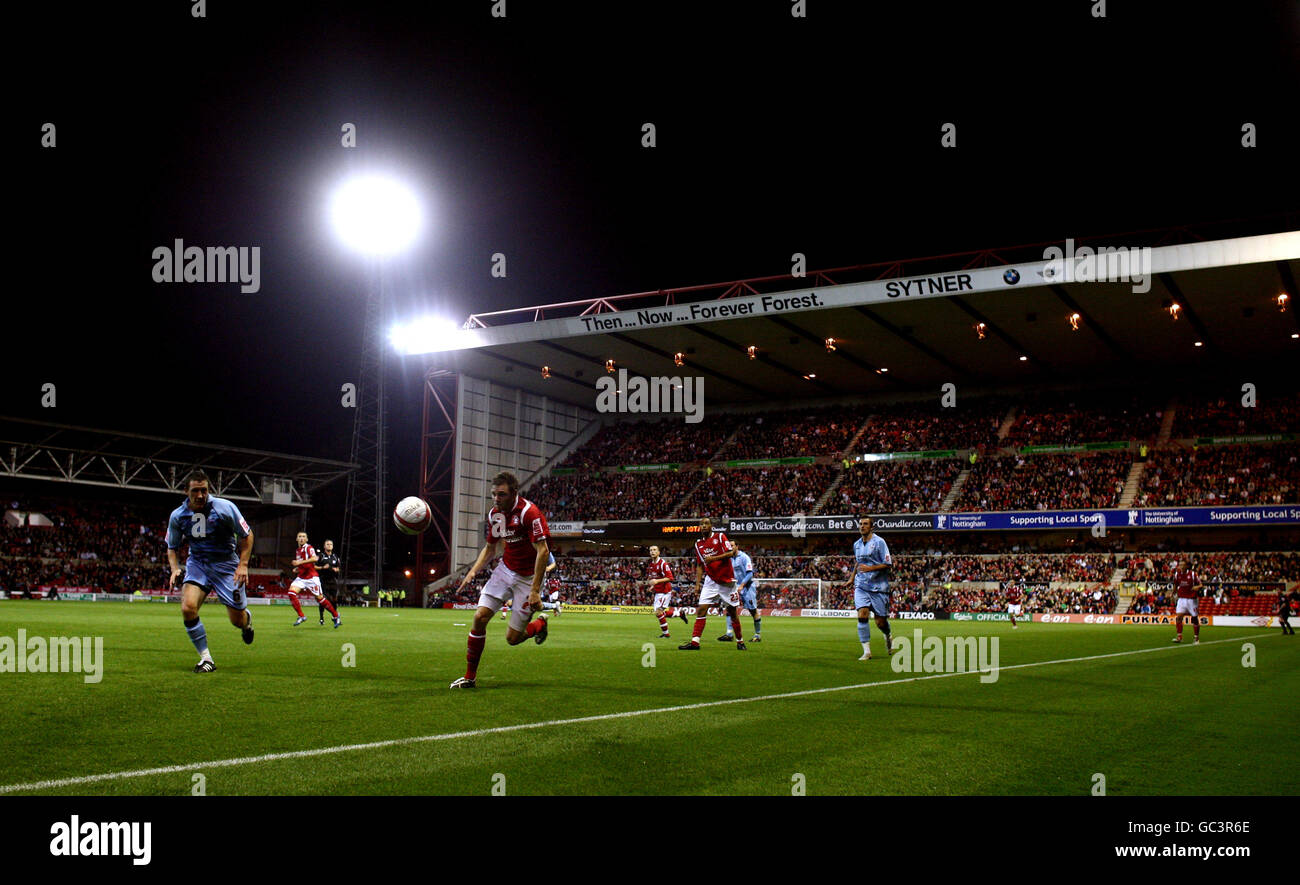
(59, 452)
(912, 325)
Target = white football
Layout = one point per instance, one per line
(412, 515)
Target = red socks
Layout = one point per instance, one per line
(698, 629)
(735, 625)
(473, 653)
(329, 606)
(293, 597)
(533, 626)
(663, 623)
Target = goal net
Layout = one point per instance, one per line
(790, 592)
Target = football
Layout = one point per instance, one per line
(412, 515)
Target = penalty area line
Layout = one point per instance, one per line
(550, 723)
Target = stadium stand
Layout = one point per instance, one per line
(907, 427)
(1090, 416)
(1225, 416)
(1222, 475)
(1046, 482)
(779, 434)
(765, 491)
(895, 487)
(645, 442)
(611, 495)
(1001, 477)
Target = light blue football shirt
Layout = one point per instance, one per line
(744, 568)
(212, 538)
(874, 552)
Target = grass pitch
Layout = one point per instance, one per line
(1145, 721)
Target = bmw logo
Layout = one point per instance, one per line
(1012, 277)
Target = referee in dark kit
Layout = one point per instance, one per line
(327, 566)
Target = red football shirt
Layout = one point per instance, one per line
(657, 571)
(307, 569)
(521, 528)
(1184, 581)
(1013, 594)
(720, 570)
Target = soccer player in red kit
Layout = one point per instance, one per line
(305, 562)
(660, 576)
(1014, 597)
(1187, 584)
(520, 525)
(713, 555)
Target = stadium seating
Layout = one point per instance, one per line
(1045, 482)
(1080, 417)
(1001, 478)
(1223, 414)
(758, 491)
(1222, 475)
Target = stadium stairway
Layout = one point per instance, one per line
(1166, 425)
(1131, 484)
(839, 477)
(580, 439)
(826, 496)
(857, 436)
(957, 485)
(704, 474)
(672, 514)
(1122, 600)
(1006, 425)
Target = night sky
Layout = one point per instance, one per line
(775, 135)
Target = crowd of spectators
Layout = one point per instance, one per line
(1226, 415)
(614, 495)
(103, 547)
(1214, 566)
(1045, 482)
(1222, 475)
(95, 546)
(621, 580)
(1091, 416)
(1095, 600)
(759, 491)
(908, 427)
(895, 486)
(670, 440)
(1247, 474)
(824, 430)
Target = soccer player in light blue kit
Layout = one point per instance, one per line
(744, 567)
(551, 601)
(871, 586)
(220, 543)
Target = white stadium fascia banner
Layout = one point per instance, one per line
(1118, 263)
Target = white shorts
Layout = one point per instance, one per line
(663, 600)
(721, 595)
(1013, 608)
(310, 585)
(1185, 606)
(503, 585)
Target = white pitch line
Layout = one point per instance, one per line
(503, 729)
